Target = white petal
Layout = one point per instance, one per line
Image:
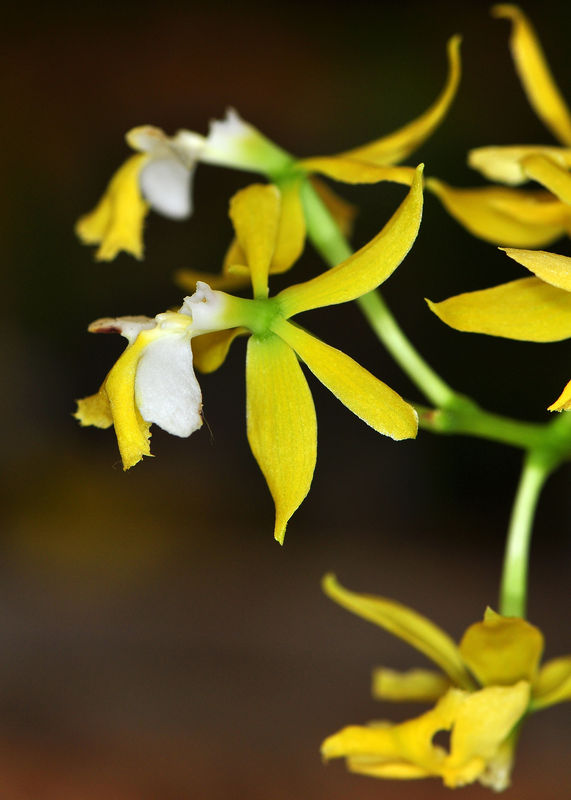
(166, 184)
(166, 390)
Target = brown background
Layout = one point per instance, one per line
(155, 642)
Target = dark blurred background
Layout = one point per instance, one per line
(155, 641)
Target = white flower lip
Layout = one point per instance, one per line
(166, 184)
(167, 392)
(165, 179)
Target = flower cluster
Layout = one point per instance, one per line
(153, 380)
(522, 218)
(491, 680)
(488, 684)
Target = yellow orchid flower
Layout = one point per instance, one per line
(281, 423)
(153, 380)
(160, 176)
(534, 309)
(547, 165)
(506, 216)
(491, 681)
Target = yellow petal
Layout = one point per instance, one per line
(398, 145)
(563, 402)
(366, 396)
(526, 309)
(506, 163)
(365, 269)
(210, 350)
(502, 650)
(116, 223)
(95, 410)
(351, 170)
(550, 174)
(550, 267)
(405, 623)
(133, 433)
(414, 686)
(535, 75)
(399, 751)
(282, 429)
(290, 238)
(341, 210)
(481, 726)
(255, 214)
(553, 684)
(520, 218)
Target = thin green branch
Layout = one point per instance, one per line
(513, 592)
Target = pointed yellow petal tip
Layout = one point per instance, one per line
(563, 402)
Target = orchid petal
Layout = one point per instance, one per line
(526, 309)
(365, 269)
(116, 223)
(553, 683)
(352, 170)
(281, 424)
(413, 686)
(398, 145)
(132, 431)
(95, 410)
(401, 751)
(563, 402)
(516, 217)
(211, 349)
(479, 745)
(506, 163)
(366, 396)
(535, 75)
(405, 623)
(549, 173)
(550, 267)
(502, 650)
(290, 238)
(255, 214)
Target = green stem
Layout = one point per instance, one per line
(467, 418)
(330, 242)
(513, 593)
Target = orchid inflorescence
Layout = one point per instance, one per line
(492, 679)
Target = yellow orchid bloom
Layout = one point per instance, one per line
(153, 380)
(547, 165)
(281, 423)
(534, 309)
(507, 216)
(160, 177)
(491, 681)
